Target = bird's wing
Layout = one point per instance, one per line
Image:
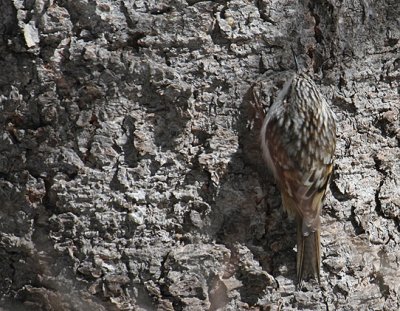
(303, 189)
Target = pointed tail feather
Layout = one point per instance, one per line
(308, 254)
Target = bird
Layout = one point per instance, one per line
(298, 141)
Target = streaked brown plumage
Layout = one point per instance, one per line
(298, 143)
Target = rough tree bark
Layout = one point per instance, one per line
(130, 171)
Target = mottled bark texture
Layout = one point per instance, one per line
(130, 171)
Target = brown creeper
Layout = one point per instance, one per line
(298, 139)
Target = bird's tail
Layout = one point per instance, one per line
(308, 253)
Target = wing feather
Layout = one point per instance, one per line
(303, 187)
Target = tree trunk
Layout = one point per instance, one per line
(131, 176)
